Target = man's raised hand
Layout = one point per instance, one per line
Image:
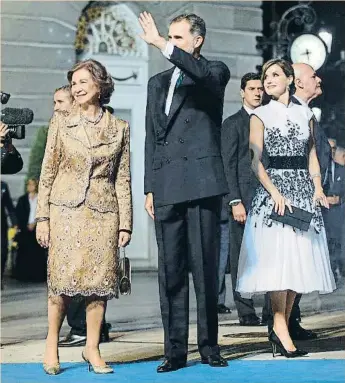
(151, 34)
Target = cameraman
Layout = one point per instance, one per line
(11, 160)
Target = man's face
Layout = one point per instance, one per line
(62, 101)
(252, 94)
(181, 37)
(310, 82)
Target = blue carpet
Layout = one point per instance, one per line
(239, 371)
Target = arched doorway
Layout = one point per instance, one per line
(109, 34)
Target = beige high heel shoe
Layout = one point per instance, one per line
(53, 369)
(97, 369)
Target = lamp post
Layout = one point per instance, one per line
(302, 16)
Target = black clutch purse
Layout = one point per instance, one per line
(125, 274)
(299, 218)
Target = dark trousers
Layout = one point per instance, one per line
(188, 233)
(295, 315)
(244, 306)
(76, 316)
(223, 260)
(4, 250)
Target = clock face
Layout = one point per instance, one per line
(308, 49)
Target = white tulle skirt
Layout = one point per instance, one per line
(277, 257)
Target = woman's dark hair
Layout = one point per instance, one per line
(99, 75)
(286, 68)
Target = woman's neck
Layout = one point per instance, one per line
(90, 110)
(284, 98)
(32, 195)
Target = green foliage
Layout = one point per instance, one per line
(37, 153)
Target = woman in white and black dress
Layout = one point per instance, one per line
(278, 258)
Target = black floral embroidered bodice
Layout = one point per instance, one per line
(286, 133)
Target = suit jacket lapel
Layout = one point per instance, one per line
(180, 94)
(244, 127)
(161, 97)
(75, 128)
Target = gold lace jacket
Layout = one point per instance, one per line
(93, 169)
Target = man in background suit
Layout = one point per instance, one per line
(242, 182)
(334, 217)
(184, 182)
(7, 210)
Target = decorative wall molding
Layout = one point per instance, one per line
(109, 29)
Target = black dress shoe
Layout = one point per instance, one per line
(249, 320)
(222, 309)
(215, 360)
(264, 321)
(73, 340)
(297, 332)
(169, 365)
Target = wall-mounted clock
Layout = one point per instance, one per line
(309, 49)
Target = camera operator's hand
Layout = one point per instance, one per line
(3, 133)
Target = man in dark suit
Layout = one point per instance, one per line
(7, 210)
(334, 188)
(184, 182)
(241, 181)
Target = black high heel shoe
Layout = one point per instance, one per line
(277, 345)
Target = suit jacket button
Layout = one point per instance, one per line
(166, 143)
(186, 121)
(181, 140)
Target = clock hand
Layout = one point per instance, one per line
(307, 53)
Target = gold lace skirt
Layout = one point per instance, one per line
(83, 252)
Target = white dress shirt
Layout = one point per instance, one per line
(167, 52)
(248, 110)
(33, 206)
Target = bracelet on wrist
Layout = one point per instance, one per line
(315, 175)
(42, 219)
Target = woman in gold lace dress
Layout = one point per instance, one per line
(84, 209)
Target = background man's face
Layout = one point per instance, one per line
(62, 101)
(310, 81)
(180, 36)
(252, 93)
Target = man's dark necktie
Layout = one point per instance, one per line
(179, 79)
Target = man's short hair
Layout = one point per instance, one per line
(197, 24)
(65, 88)
(248, 77)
